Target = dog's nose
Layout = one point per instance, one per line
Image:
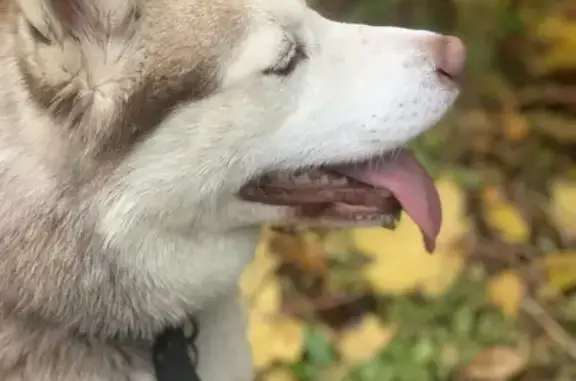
(449, 55)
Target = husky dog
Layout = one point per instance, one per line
(144, 142)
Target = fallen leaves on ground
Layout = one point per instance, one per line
(363, 341)
(495, 364)
(560, 271)
(259, 284)
(563, 208)
(279, 374)
(506, 291)
(306, 250)
(516, 127)
(503, 216)
(559, 33)
(275, 339)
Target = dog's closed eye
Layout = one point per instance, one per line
(289, 61)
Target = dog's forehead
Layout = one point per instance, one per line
(208, 20)
(208, 27)
(220, 16)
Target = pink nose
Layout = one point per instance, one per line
(449, 55)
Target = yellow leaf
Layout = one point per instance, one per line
(338, 241)
(268, 298)
(279, 374)
(560, 271)
(260, 270)
(274, 339)
(359, 344)
(400, 262)
(560, 33)
(563, 206)
(516, 126)
(504, 217)
(495, 363)
(506, 291)
(305, 250)
(338, 372)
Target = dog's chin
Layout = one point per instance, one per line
(368, 193)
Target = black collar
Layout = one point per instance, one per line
(171, 356)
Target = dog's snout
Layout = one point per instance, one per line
(449, 56)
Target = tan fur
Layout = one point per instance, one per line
(126, 129)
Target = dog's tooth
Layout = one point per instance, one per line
(334, 180)
(390, 222)
(300, 179)
(339, 181)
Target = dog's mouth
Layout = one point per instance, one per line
(375, 191)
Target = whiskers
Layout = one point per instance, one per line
(382, 161)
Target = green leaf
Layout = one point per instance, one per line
(374, 370)
(511, 23)
(304, 371)
(318, 348)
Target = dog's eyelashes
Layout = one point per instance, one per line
(288, 63)
(38, 36)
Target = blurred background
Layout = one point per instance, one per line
(498, 299)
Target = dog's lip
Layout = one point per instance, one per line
(384, 184)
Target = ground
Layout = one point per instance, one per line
(497, 301)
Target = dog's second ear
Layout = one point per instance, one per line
(55, 19)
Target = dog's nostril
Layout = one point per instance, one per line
(449, 54)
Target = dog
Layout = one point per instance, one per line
(144, 142)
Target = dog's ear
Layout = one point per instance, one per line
(69, 58)
(55, 19)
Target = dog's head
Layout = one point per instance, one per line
(227, 113)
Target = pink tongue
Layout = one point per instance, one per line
(412, 186)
